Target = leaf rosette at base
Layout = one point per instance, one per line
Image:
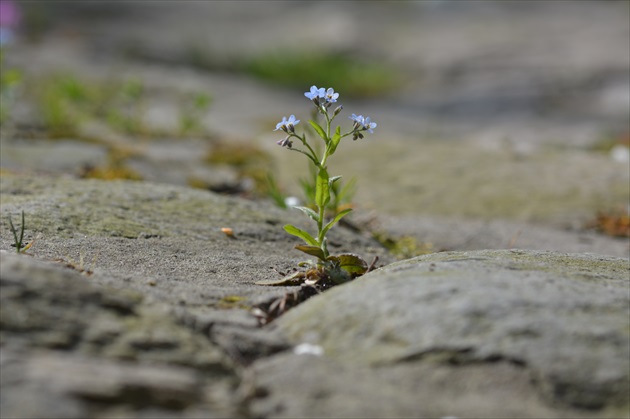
(333, 271)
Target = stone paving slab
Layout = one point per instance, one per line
(137, 279)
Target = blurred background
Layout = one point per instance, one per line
(486, 110)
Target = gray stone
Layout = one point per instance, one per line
(457, 233)
(332, 388)
(558, 324)
(295, 386)
(72, 345)
(164, 241)
(125, 276)
(51, 156)
(133, 303)
(47, 306)
(54, 384)
(128, 285)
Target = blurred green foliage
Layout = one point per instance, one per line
(10, 81)
(64, 102)
(192, 110)
(351, 77)
(249, 160)
(403, 247)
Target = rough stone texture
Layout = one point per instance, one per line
(133, 303)
(52, 384)
(57, 308)
(132, 291)
(163, 240)
(455, 233)
(561, 320)
(76, 349)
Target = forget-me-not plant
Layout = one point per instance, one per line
(339, 268)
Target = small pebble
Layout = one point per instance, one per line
(308, 349)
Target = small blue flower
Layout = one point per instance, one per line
(287, 125)
(316, 93)
(368, 125)
(362, 124)
(358, 119)
(331, 96)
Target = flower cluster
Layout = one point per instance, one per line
(288, 126)
(362, 124)
(323, 99)
(322, 96)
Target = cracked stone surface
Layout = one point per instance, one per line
(133, 303)
(152, 318)
(562, 320)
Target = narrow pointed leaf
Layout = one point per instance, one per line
(320, 130)
(312, 250)
(322, 189)
(335, 220)
(293, 230)
(309, 212)
(335, 140)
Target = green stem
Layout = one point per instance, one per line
(313, 159)
(313, 155)
(320, 228)
(328, 121)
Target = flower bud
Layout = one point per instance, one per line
(285, 143)
(356, 135)
(337, 110)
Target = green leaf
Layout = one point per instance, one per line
(336, 273)
(335, 220)
(309, 212)
(335, 140)
(319, 130)
(312, 250)
(322, 188)
(293, 230)
(351, 263)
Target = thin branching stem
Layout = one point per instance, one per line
(313, 155)
(313, 159)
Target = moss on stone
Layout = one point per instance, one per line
(97, 208)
